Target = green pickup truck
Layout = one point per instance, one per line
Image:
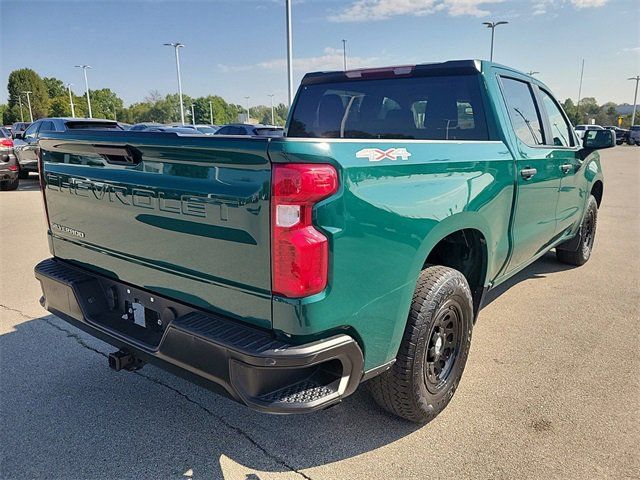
(285, 272)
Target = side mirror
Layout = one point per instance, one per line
(599, 139)
(18, 136)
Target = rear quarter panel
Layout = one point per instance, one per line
(383, 223)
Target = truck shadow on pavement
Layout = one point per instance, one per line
(539, 269)
(65, 414)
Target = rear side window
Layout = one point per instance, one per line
(522, 111)
(47, 127)
(93, 126)
(269, 132)
(423, 108)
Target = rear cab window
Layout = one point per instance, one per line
(443, 107)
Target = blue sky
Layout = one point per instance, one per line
(236, 48)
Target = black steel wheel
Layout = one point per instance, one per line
(434, 348)
(587, 235)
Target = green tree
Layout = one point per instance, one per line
(55, 87)
(105, 103)
(23, 80)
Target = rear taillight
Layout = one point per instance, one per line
(6, 142)
(299, 252)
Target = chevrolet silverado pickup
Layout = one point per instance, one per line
(285, 272)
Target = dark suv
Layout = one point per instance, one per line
(26, 142)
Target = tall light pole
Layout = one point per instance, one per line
(273, 121)
(177, 46)
(193, 113)
(27, 93)
(492, 26)
(20, 102)
(344, 54)
(289, 55)
(635, 99)
(86, 85)
(73, 110)
(579, 93)
(248, 116)
(210, 112)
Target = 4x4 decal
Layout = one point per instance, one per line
(377, 154)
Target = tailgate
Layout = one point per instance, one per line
(186, 217)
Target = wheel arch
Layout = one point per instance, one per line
(597, 189)
(461, 242)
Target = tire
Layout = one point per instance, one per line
(434, 348)
(587, 234)
(10, 184)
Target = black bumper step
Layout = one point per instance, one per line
(249, 364)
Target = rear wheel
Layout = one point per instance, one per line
(10, 184)
(587, 236)
(433, 351)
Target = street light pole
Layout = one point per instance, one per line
(176, 46)
(248, 116)
(344, 54)
(210, 112)
(579, 93)
(273, 121)
(289, 55)
(193, 113)
(21, 114)
(28, 92)
(635, 99)
(492, 26)
(86, 85)
(73, 110)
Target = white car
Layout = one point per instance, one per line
(580, 129)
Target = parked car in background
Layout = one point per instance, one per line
(205, 129)
(144, 126)
(580, 129)
(165, 128)
(7, 130)
(622, 134)
(252, 130)
(8, 164)
(634, 135)
(18, 128)
(26, 142)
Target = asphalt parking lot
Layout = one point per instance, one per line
(551, 388)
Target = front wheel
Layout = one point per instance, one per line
(587, 235)
(433, 351)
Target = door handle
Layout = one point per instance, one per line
(528, 173)
(566, 168)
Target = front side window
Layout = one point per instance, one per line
(560, 131)
(422, 108)
(522, 111)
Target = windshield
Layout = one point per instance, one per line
(429, 108)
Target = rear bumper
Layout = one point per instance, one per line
(248, 364)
